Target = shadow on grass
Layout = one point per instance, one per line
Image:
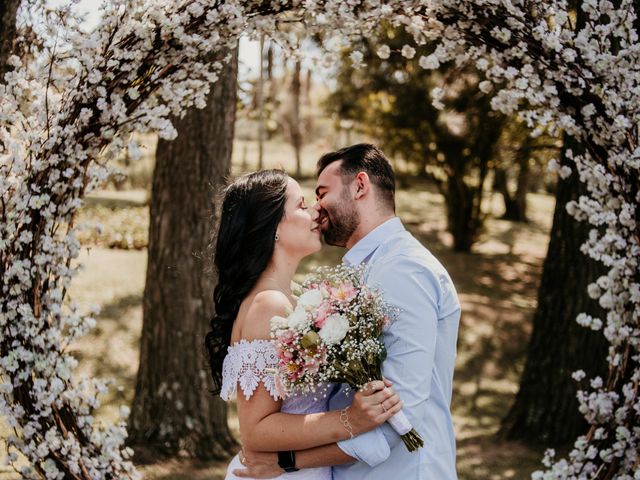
(110, 351)
(115, 200)
(116, 311)
(117, 315)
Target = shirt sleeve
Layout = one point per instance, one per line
(411, 346)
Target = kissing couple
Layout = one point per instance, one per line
(265, 230)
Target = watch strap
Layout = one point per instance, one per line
(287, 461)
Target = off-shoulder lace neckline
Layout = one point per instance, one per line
(248, 362)
(244, 341)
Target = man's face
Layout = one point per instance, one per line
(338, 215)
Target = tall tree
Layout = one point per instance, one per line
(173, 410)
(261, 103)
(518, 153)
(515, 204)
(546, 409)
(291, 119)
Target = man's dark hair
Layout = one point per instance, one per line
(364, 157)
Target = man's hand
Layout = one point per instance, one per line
(258, 465)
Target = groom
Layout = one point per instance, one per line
(356, 203)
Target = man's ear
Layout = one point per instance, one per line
(363, 185)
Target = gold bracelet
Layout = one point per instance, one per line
(344, 418)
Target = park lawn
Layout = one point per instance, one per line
(497, 286)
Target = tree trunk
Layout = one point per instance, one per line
(522, 188)
(460, 222)
(296, 130)
(261, 107)
(464, 200)
(270, 63)
(307, 87)
(271, 66)
(173, 410)
(546, 409)
(8, 11)
(515, 205)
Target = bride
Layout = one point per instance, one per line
(265, 230)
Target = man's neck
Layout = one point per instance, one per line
(366, 227)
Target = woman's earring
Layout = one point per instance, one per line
(277, 237)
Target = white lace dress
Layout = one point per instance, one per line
(245, 365)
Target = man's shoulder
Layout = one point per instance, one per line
(405, 251)
(402, 258)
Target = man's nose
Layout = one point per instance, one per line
(317, 207)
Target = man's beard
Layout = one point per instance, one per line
(344, 220)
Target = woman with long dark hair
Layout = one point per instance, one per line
(265, 230)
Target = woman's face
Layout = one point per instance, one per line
(298, 232)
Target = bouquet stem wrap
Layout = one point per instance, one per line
(370, 369)
(400, 423)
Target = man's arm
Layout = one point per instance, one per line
(322, 457)
(411, 347)
(265, 464)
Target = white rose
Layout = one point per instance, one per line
(278, 323)
(310, 299)
(334, 329)
(298, 319)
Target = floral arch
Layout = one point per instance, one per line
(76, 102)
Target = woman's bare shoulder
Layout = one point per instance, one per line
(265, 305)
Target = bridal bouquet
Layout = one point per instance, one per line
(333, 335)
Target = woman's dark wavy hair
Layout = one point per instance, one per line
(252, 208)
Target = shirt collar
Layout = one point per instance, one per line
(368, 244)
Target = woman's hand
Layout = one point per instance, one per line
(373, 405)
(258, 465)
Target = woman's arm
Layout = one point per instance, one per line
(264, 428)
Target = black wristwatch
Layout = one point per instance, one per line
(287, 461)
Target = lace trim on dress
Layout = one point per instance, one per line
(245, 364)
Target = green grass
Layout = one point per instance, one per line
(497, 285)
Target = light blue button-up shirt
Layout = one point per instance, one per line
(421, 351)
